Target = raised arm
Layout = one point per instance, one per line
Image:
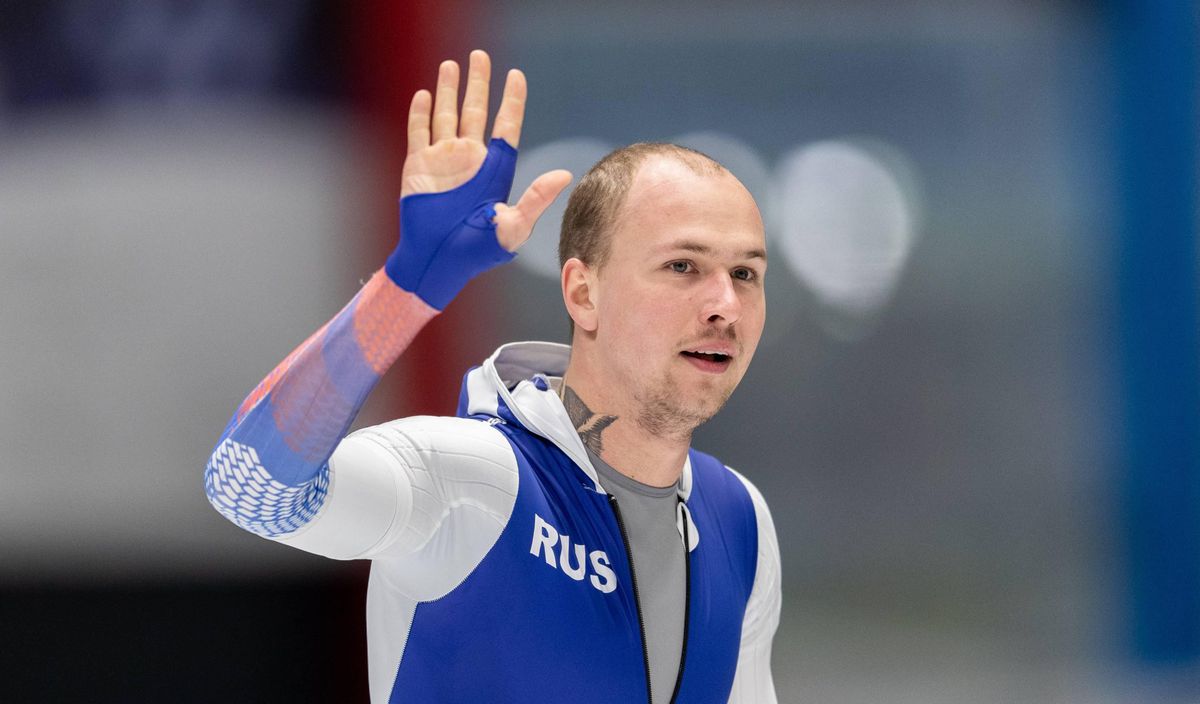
(269, 472)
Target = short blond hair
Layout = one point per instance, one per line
(594, 203)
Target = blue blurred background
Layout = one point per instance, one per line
(975, 412)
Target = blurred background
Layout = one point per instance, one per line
(975, 411)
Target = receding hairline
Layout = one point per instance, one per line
(696, 162)
(619, 170)
(595, 204)
(664, 164)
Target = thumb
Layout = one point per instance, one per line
(515, 223)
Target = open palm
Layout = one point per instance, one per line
(446, 150)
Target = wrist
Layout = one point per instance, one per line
(449, 237)
(386, 319)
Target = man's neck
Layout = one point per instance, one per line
(620, 441)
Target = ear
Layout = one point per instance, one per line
(579, 293)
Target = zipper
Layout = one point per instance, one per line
(687, 601)
(637, 600)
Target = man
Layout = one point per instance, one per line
(558, 541)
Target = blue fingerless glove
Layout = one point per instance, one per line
(447, 238)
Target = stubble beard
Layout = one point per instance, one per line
(661, 411)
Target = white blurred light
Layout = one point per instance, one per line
(846, 222)
(540, 254)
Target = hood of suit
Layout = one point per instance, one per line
(517, 384)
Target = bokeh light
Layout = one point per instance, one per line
(846, 224)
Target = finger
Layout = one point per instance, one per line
(541, 193)
(513, 225)
(418, 121)
(512, 109)
(445, 102)
(475, 101)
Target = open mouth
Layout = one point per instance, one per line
(706, 361)
(709, 356)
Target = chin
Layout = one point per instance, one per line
(668, 415)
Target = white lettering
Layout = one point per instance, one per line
(544, 538)
(605, 579)
(564, 557)
(572, 562)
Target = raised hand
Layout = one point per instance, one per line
(445, 150)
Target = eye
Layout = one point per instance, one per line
(745, 274)
(680, 267)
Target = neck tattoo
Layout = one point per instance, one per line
(588, 424)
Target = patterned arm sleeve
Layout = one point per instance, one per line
(269, 472)
(753, 683)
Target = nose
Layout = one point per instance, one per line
(721, 301)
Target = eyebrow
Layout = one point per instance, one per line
(689, 246)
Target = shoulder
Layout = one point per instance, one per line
(756, 497)
(444, 471)
(715, 479)
(715, 482)
(432, 450)
(767, 572)
(434, 435)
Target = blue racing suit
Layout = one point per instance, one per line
(500, 566)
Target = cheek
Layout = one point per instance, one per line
(750, 328)
(754, 312)
(759, 319)
(636, 311)
(658, 324)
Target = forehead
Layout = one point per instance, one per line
(668, 201)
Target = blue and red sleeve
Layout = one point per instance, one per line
(269, 472)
